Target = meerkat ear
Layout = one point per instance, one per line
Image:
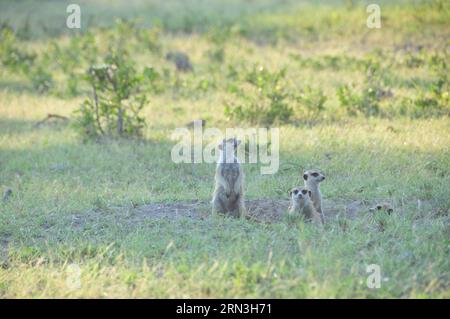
(305, 176)
(309, 193)
(290, 192)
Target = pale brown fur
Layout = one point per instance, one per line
(228, 196)
(302, 204)
(312, 180)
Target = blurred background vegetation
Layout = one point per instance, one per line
(310, 59)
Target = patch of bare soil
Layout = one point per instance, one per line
(192, 209)
(259, 210)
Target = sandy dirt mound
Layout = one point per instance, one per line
(259, 210)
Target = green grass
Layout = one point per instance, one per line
(74, 201)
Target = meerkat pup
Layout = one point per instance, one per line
(228, 196)
(312, 179)
(301, 203)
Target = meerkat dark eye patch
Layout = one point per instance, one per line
(304, 191)
(315, 174)
(295, 192)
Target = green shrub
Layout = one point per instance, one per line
(117, 101)
(133, 35)
(313, 100)
(366, 100)
(432, 101)
(218, 38)
(12, 56)
(71, 61)
(149, 38)
(432, 98)
(18, 60)
(414, 60)
(41, 79)
(265, 102)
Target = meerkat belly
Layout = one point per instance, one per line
(316, 200)
(231, 172)
(232, 202)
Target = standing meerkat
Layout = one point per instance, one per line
(312, 179)
(302, 204)
(228, 196)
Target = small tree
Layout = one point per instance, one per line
(116, 102)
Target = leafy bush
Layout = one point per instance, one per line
(72, 60)
(218, 38)
(133, 35)
(313, 100)
(18, 60)
(435, 99)
(41, 79)
(265, 103)
(117, 101)
(11, 55)
(414, 60)
(366, 101)
(150, 39)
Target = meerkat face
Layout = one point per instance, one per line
(300, 194)
(229, 149)
(231, 142)
(313, 176)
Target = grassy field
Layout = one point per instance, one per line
(86, 210)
